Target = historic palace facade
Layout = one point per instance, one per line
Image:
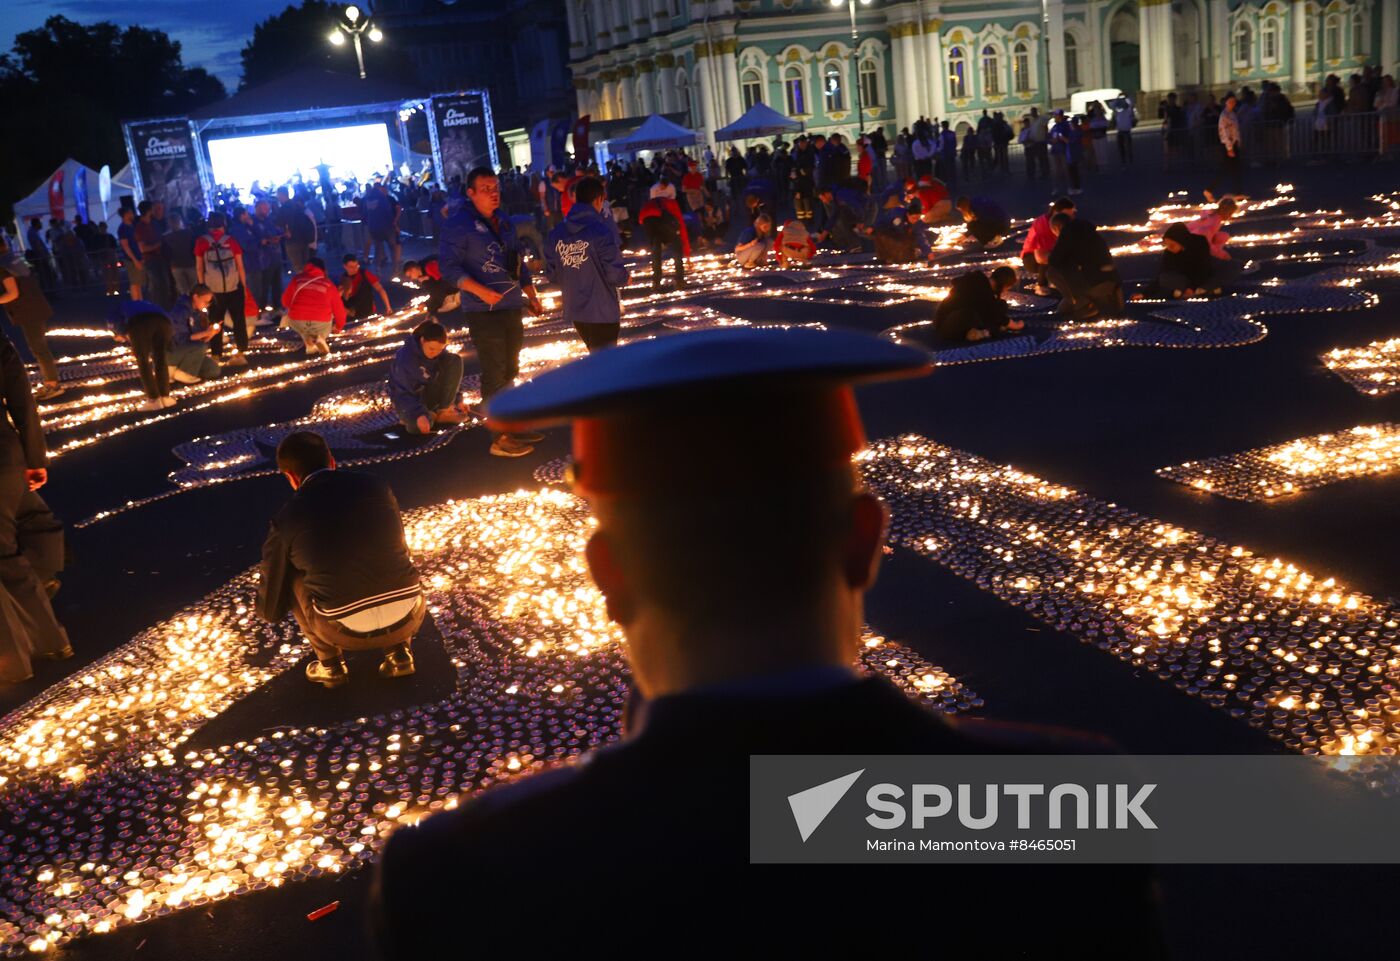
(711, 59)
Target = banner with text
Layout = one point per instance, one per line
(462, 133)
(163, 157)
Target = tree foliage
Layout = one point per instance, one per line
(67, 87)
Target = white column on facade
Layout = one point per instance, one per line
(1155, 45)
(1217, 43)
(1059, 83)
(628, 94)
(906, 74)
(937, 72)
(1298, 35)
(922, 80)
(1390, 36)
(667, 101)
(729, 69)
(646, 87)
(576, 36)
(702, 88)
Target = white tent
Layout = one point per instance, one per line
(760, 120)
(655, 133)
(37, 203)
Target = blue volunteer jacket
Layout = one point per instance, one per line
(470, 247)
(583, 259)
(250, 239)
(409, 373)
(185, 320)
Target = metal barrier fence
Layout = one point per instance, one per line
(1341, 137)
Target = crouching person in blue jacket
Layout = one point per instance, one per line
(583, 259)
(425, 380)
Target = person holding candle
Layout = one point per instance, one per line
(974, 309)
(425, 380)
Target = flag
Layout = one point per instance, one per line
(581, 138)
(558, 137)
(539, 146)
(80, 198)
(56, 194)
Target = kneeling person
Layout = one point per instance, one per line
(190, 333)
(1081, 268)
(359, 287)
(1187, 268)
(973, 309)
(443, 298)
(986, 222)
(425, 380)
(336, 558)
(314, 307)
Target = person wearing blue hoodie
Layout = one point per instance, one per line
(583, 259)
(425, 380)
(479, 252)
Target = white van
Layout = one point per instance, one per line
(1079, 102)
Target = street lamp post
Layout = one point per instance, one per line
(855, 59)
(354, 25)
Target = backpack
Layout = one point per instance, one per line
(220, 267)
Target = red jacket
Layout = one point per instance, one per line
(654, 208)
(312, 296)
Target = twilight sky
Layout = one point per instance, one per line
(211, 32)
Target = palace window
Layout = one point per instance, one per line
(1268, 41)
(991, 71)
(869, 83)
(1021, 67)
(795, 87)
(957, 73)
(1071, 60)
(1243, 45)
(833, 87)
(752, 85)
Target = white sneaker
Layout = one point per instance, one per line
(167, 401)
(152, 403)
(180, 377)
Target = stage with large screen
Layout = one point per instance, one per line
(357, 152)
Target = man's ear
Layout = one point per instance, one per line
(607, 574)
(865, 540)
(291, 479)
(331, 457)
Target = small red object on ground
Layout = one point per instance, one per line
(320, 913)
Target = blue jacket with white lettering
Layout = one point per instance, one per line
(471, 246)
(583, 259)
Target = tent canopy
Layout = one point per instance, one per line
(656, 133)
(760, 120)
(37, 203)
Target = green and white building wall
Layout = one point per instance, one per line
(712, 59)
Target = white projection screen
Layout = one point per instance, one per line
(275, 158)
